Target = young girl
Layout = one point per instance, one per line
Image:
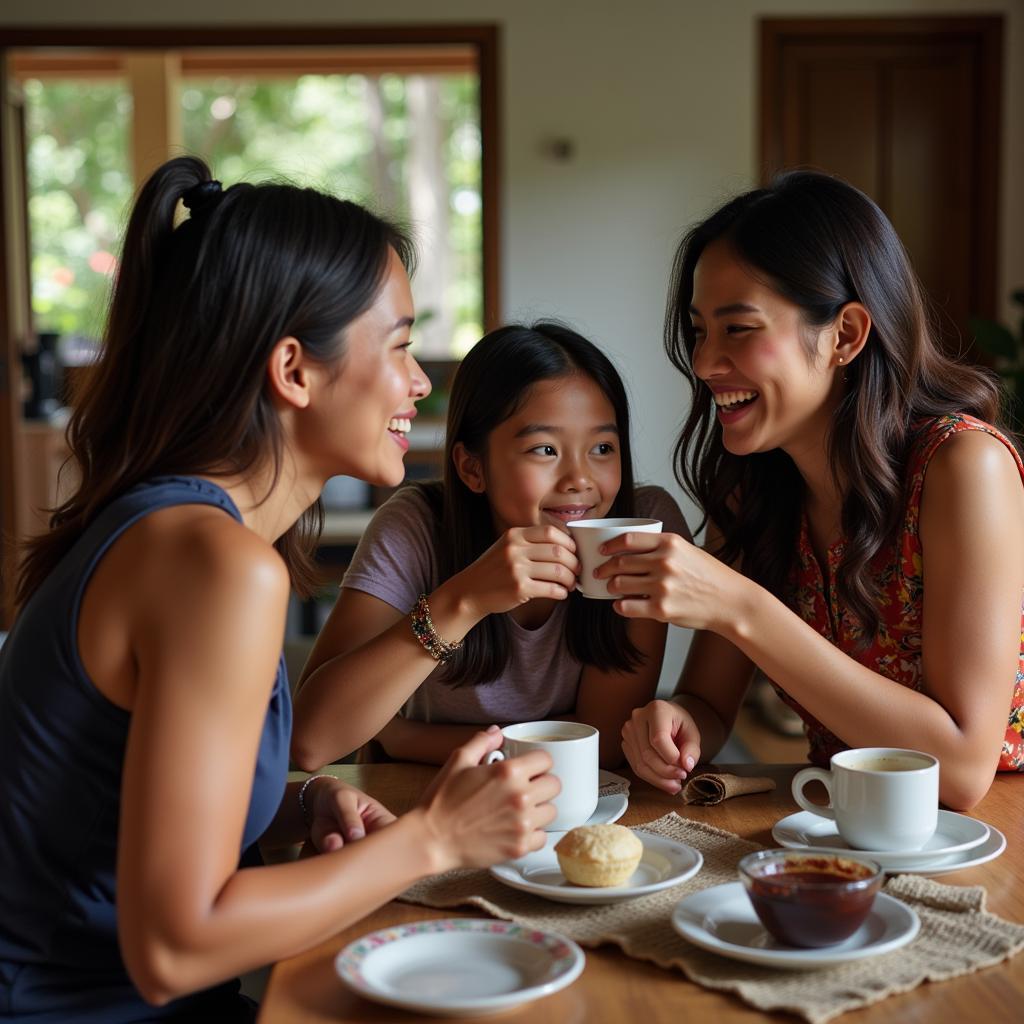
(866, 519)
(537, 437)
(253, 351)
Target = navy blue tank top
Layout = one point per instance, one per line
(62, 746)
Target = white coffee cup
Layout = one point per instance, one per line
(881, 798)
(589, 535)
(573, 750)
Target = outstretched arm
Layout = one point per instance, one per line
(206, 640)
(367, 662)
(972, 533)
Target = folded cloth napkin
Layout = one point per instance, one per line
(707, 786)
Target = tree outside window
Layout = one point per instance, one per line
(407, 145)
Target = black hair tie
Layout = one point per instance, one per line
(200, 196)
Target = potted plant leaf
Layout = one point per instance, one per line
(1007, 351)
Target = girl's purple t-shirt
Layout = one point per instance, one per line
(396, 562)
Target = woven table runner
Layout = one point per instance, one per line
(957, 934)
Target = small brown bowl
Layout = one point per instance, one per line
(810, 900)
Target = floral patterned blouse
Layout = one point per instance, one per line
(895, 650)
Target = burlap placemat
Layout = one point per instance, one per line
(957, 934)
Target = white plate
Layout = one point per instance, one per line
(664, 862)
(722, 919)
(459, 967)
(955, 833)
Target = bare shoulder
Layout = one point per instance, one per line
(971, 459)
(185, 586)
(973, 490)
(196, 549)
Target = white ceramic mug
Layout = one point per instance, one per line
(589, 535)
(881, 798)
(573, 750)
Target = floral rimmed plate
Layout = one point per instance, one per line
(459, 966)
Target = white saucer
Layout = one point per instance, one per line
(954, 834)
(606, 778)
(608, 809)
(970, 858)
(722, 920)
(459, 967)
(664, 862)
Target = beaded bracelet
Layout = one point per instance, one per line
(302, 797)
(427, 634)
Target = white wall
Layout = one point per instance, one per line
(660, 100)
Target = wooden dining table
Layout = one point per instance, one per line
(613, 987)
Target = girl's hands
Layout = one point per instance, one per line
(342, 814)
(523, 563)
(480, 814)
(664, 577)
(661, 741)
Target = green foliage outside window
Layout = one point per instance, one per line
(80, 183)
(408, 146)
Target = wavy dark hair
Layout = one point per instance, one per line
(179, 387)
(821, 243)
(490, 385)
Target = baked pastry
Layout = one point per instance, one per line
(598, 855)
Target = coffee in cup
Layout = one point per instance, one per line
(881, 798)
(589, 535)
(573, 749)
(554, 737)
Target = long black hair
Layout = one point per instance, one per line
(197, 308)
(821, 243)
(490, 385)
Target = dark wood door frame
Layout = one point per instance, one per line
(985, 34)
(484, 38)
(10, 364)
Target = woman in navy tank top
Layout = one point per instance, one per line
(257, 344)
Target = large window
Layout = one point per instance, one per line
(401, 117)
(401, 138)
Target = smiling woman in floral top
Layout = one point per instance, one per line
(848, 470)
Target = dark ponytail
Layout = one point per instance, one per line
(199, 303)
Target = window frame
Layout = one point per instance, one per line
(376, 46)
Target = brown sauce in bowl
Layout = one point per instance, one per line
(813, 902)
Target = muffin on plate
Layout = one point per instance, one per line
(598, 855)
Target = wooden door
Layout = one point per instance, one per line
(908, 110)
